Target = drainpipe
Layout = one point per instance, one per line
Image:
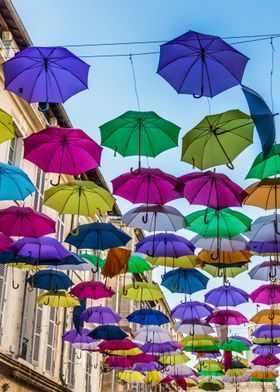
(61, 375)
(22, 315)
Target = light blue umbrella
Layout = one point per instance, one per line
(14, 183)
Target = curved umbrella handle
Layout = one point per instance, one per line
(43, 106)
(79, 356)
(48, 301)
(272, 315)
(226, 283)
(137, 171)
(152, 254)
(124, 291)
(225, 317)
(94, 271)
(136, 287)
(206, 221)
(272, 292)
(58, 181)
(230, 165)
(15, 286)
(220, 273)
(75, 232)
(145, 218)
(148, 340)
(31, 288)
(213, 257)
(95, 366)
(197, 96)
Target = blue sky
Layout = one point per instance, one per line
(111, 90)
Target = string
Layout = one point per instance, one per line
(271, 73)
(134, 81)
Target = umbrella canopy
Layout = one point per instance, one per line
(79, 198)
(184, 280)
(45, 74)
(153, 377)
(116, 262)
(74, 336)
(92, 289)
(266, 350)
(137, 265)
(6, 127)
(263, 118)
(179, 370)
(62, 150)
(267, 331)
(142, 291)
(152, 334)
(42, 248)
(96, 261)
(226, 296)
(160, 348)
(154, 218)
(267, 166)
(148, 317)
(100, 315)
(191, 311)
(264, 194)
(193, 328)
(233, 345)
(211, 384)
(187, 261)
(98, 236)
(233, 244)
(266, 360)
(265, 271)
(5, 242)
(243, 339)
(218, 139)
(121, 344)
(221, 223)
(197, 343)
(200, 64)
(269, 248)
(224, 258)
(14, 183)
(267, 316)
(119, 362)
(212, 189)
(150, 186)
(58, 299)
(209, 366)
(229, 271)
(147, 367)
(130, 376)
(176, 359)
(107, 332)
(266, 294)
(263, 229)
(25, 222)
(131, 352)
(227, 317)
(50, 280)
(264, 375)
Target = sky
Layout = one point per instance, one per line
(111, 89)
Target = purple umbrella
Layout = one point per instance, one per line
(266, 350)
(226, 296)
(45, 74)
(191, 311)
(268, 247)
(42, 248)
(165, 245)
(146, 367)
(267, 332)
(160, 348)
(100, 315)
(73, 336)
(200, 64)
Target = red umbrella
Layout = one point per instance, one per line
(227, 317)
(25, 222)
(92, 289)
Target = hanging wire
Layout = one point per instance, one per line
(134, 81)
(271, 73)
(209, 106)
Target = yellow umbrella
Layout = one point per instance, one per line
(174, 359)
(153, 377)
(132, 351)
(58, 299)
(130, 376)
(211, 384)
(241, 359)
(275, 340)
(199, 340)
(7, 130)
(210, 365)
(267, 316)
(235, 372)
(142, 291)
(190, 382)
(26, 266)
(189, 261)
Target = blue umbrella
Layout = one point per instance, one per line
(263, 118)
(184, 280)
(14, 183)
(108, 332)
(77, 311)
(98, 236)
(50, 280)
(148, 317)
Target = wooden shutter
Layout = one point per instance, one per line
(3, 276)
(71, 365)
(37, 334)
(51, 341)
(88, 373)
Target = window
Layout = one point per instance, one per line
(3, 277)
(71, 365)
(51, 340)
(40, 186)
(37, 332)
(60, 228)
(88, 373)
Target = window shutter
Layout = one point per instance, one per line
(88, 373)
(50, 343)
(71, 365)
(3, 276)
(37, 334)
(40, 186)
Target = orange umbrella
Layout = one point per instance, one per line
(264, 194)
(211, 257)
(116, 262)
(267, 316)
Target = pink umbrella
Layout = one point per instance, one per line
(266, 360)
(5, 242)
(227, 317)
(150, 186)
(266, 294)
(166, 379)
(120, 362)
(122, 344)
(25, 222)
(62, 150)
(92, 289)
(143, 358)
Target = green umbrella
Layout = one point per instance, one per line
(137, 265)
(221, 223)
(233, 345)
(218, 139)
(211, 373)
(225, 270)
(94, 260)
(266, 167)
(139, 133)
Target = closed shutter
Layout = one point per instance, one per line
(37, 334)
(88, 373)
(71, 365)
(3, 276)
(51, 341)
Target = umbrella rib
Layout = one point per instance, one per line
(151, 122)
(21, 72)
(7, 128)
(117, 128)
(34, 84)
(223, 65)
(187, 73)
(59, 66)
(148, 136)
(129, 138)
(56, 81)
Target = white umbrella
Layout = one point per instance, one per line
(224, 244)
(152, 334)
(265, 229)
(196, 328)
(179, 370)
(87, 346)
(265, 271)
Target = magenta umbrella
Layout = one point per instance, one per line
(121, 362)
(214, 190)
(5, 242)
(150, 186)
(227, 317)
(25, 222)
(266, 360)
(62, 150)
(266, 294)
(92, 289)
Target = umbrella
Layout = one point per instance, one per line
(5, 242)
(266, 360)
(224, 258)
(268, 248)
(200, 64)
(227, 317)
(224, 244)
(137, 265)
(265, 375)
(211, 384)
(73, 336)
(243, 339)
(266, 350)
(207, 366)
(179, 370)
(98, 236)
(120, 362)
(42, 248)
(228, 270)
(197, 343)
(191, 311)
(50, 280)
(69, 263)
(141, 291)
(160, 348)
(184, 280)
(218, 139)
(153, 377)
(267, 331)
(137, 133)
(116, 262)
(92, 289)
(127, 353)
(143, 358)
(185, 382)
(175, 359)
(58, 299)
(45, 74)
(79, 198)
(193, 328)
(14, 183)
(7, 130)
(263, 118)
(154, 218)
(100, 315)
(130, 376)
(211, 189)
(148, 317)
(92, 259)
(187, 261)
(62, 150)
(147, 367)
(226, 295)
(267, 316)
(263, 229)
(266, 294)
(233, 345)
(152, 334)
(23, 221)
(112, 345)
(264, 194)
(107, 332)
(267, 166)
(221, 223)
(150, 186)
